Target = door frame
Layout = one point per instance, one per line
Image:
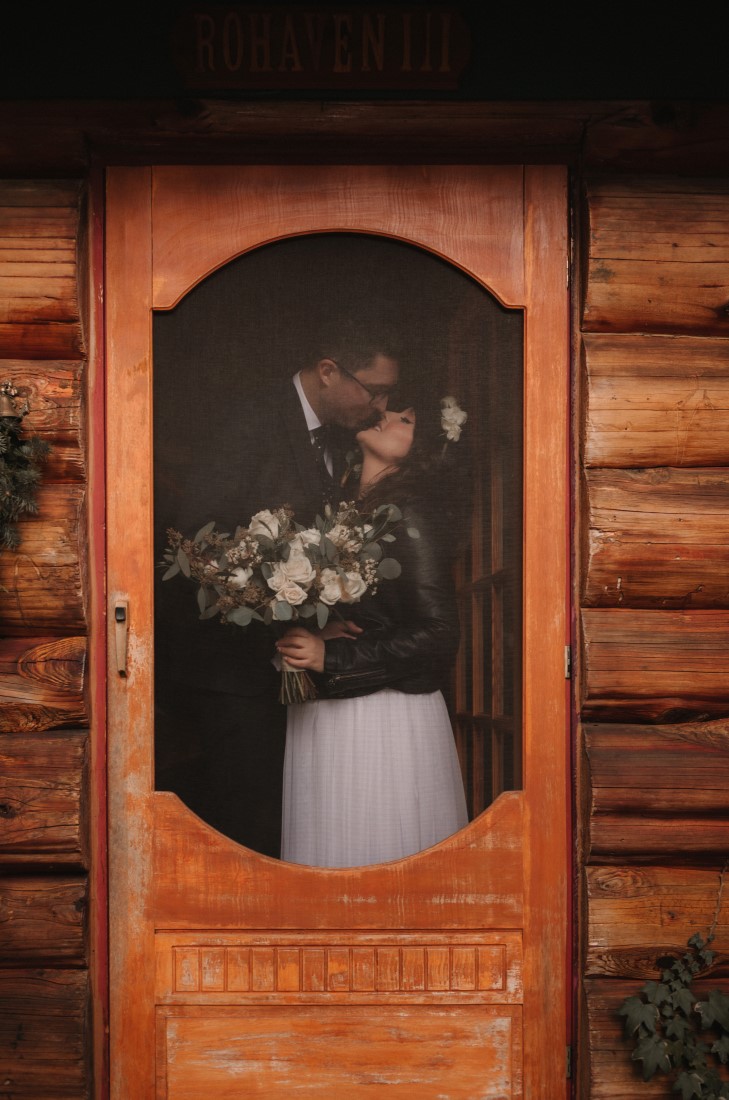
(547, 906)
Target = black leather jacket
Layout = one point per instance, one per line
(410, 625)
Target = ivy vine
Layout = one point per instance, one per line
(20, 467)
(675, 1033)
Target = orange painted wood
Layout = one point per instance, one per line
(506, 871)
(44, 1034)
(331, 1052)
(655, 401)
(471, 880)
(43, 583)
(657, 259)
(54, 391)
(40, 315)
(42, 684)
(129, 577)
(657, 538)
(43, 921)
(204, 219)
(659, 666)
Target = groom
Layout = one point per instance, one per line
(292, 438)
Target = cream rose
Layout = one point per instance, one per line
(331, 591)
(353, 586)
(292, 593)
(264, 523)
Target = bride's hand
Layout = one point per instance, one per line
(340, 628)
(302, 649)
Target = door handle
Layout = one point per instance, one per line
(121, 630)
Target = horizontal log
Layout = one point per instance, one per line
(54, 391)
(656, 401)
(42, 921)
(43, 582)
(44, 1034)
(658, 260)
(42, 799)
(654, 666)
(613, 1074)
(637, 915)
(42, 684)
(40, 313)
(657, 538)
(672, 770)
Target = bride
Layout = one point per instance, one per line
(371, 772)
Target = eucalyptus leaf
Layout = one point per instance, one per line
(204, 531)
(183, 561)
(268, 615)
(240, 615)
(202, 602)
(413, 532)
(322, 615)
(372, 550)
(282, 611)
(307, 610)
(171, 572)
(389, 569)
(210, 612)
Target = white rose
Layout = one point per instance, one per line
(353, 587)
(264, 523)
(338, 534)
(331, 590)
(309, 537)
(292, 593)
(239, 577)
(452, 418)
(298, 569)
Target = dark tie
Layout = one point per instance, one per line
(320, 442)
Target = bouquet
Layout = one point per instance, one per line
(275, 570)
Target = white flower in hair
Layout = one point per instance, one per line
(452, 418)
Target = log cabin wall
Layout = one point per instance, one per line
(44, 717)
(653, 597)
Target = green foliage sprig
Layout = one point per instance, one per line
(20, 467)
(678, 1034)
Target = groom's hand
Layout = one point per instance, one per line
(302, 649)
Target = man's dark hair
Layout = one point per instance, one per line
(354, 341)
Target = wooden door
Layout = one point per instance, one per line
(442, 975)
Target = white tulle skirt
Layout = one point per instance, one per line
(370, 779)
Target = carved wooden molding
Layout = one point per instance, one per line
(313, 967)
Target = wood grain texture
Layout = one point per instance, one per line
(657, 538)
(657, 258)
(655, 401)
(657, 666)
(55, 392)
(42, 788)
(327, 1052)
(44, 1034)
(43, 921)
(471, 215)
(42, 684)
(673, 770)
(40, 315)
(639, 914)
(43, 582)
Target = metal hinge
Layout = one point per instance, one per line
(569, 1062)
(568, 662)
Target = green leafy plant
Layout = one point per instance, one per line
(676, 1033)
(20, 467)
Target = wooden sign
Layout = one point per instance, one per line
(220, 47)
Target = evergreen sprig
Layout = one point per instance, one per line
(677, 1034)
(20, 471)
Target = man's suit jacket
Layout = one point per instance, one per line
(263, 458)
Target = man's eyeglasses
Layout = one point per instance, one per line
(373, 392)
